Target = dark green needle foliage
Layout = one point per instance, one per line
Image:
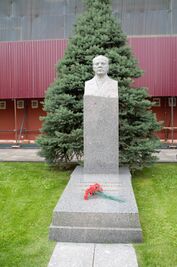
(97, 33)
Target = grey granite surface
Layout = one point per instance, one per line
(93, 255)
(72, 255)
(98, 219)
(100, 134)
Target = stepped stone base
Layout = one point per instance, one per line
(97, 220)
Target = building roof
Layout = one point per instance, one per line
(28, 67)
(50, 19)
(157, 57)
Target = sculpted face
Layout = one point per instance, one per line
(100, 65)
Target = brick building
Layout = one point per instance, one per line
(33, 37)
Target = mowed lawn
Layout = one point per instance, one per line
(29, 192)
(28, 195)
(156, 193)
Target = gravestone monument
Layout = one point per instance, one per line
(101, 121)
(98, 220)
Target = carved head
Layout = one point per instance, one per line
(100, 65)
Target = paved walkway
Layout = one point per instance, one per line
(93, 255)
(167, 155)
(20, 154)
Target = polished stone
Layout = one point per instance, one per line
(97, 220)
(100, 135)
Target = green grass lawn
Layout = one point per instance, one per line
(156, 194)
(29, 192)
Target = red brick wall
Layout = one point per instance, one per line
(30, 116)
(163, 113)
(7, 121)
(32, 123)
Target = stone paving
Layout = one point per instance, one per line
(167, 155)
(31, 154)
(19, 154)
(93, 255)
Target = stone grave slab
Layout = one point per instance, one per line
(97, 220)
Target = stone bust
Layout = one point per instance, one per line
(101, 84)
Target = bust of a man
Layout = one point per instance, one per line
(101, 84)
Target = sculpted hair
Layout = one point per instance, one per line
(102, 57)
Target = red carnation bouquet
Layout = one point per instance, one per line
(96, 189)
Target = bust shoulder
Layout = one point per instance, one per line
(112, 81)
(108, 80)
(108, 89)
(90, 81)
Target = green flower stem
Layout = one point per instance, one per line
(109, 197)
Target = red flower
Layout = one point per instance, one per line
(92, 190)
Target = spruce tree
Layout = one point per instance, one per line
(97, 33)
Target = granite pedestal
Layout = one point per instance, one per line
(97, 220)
(101, 134)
